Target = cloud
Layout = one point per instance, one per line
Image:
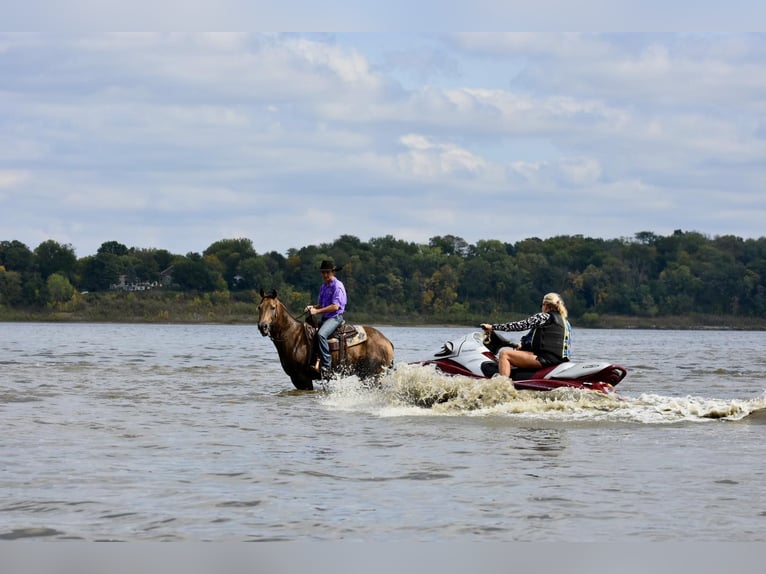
(429, 160)
(12, 178)
(293, 139)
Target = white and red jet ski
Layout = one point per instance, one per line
(475, 355)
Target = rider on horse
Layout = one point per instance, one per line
(331, 305)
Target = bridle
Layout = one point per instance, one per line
(265, 328)
(274, 309)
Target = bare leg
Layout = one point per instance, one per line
(513, 358)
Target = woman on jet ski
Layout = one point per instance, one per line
(547, 343)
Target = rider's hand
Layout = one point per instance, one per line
(486, 326)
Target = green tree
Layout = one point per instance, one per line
(449, 244)
(440, 291)
(255, 275)
(113, 247)
(142, 264)
(100, 272)
(53, 257)
(59, 289)
(678, 290)
(15, 256)
(489, 277)
(230, 253)
(10, 287)
(646, 275)
(194, 273)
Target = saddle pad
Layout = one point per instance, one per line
(360, 336)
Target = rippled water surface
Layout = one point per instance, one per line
(175, 432)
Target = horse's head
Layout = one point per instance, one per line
(267, 311)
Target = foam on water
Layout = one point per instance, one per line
(414, 390)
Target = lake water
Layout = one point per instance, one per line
(193, 432)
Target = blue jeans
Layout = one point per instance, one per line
(325, 330)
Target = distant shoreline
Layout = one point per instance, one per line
(224, 317)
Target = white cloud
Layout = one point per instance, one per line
(12, 178)
(580, 171)
(429, 160)
(180, 137)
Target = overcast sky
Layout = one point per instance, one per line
(175, 141)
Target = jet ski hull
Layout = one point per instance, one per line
(476, 357)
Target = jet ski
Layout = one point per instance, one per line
(475, 355)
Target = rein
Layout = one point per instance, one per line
(273, 338)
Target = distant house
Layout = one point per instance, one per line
(124, 285)
(166, 276)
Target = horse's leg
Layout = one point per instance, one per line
(302, 383)
(362, 364)
(372, 358)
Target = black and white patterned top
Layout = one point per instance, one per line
(529, 323)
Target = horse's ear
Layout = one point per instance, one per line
(273, 293)
(262, 294)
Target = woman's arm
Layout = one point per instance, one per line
(528, 323)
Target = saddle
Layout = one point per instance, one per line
(345, 336)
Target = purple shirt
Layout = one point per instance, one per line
(332, 292)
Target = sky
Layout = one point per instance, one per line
(178, 140)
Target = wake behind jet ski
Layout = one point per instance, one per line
(475, 355)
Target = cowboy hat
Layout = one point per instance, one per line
(329, 266)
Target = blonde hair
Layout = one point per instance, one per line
(555, 300)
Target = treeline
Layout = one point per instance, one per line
(447, 279)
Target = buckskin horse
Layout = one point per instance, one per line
(367, 352)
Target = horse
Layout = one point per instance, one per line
(295, 343)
